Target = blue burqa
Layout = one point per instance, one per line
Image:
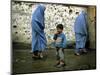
(38, 35)
(80, 29)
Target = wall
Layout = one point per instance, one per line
(54, 14)
(92, 26)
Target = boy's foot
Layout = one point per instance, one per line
(61, 65)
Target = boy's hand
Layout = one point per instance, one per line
(55, 36)
(56, 32)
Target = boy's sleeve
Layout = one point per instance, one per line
(64, 42)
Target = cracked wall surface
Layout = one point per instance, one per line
(54, 14)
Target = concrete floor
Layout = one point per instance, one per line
(23, 62)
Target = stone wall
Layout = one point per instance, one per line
(54, 14)
(92, 26)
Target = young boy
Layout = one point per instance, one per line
(60, 44)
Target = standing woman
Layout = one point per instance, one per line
(80, 29)
(38, 35)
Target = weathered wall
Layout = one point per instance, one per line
(92, 26)
(54, 14)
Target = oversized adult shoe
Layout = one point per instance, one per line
(61, 65)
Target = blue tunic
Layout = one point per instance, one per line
(81, 23)
(60, 40)
(80, 29)
(38, 35)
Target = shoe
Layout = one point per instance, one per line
(60, 65)
(77, 54)
(40, 56)
(35, 57)
(84, 50)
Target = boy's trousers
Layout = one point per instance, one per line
(60, 53)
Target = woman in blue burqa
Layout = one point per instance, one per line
(80, 29)
(38, 35)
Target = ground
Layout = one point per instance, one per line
(23, 62)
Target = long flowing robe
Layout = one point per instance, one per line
(80, 29)
(38, 35)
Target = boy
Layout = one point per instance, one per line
(60, 44)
